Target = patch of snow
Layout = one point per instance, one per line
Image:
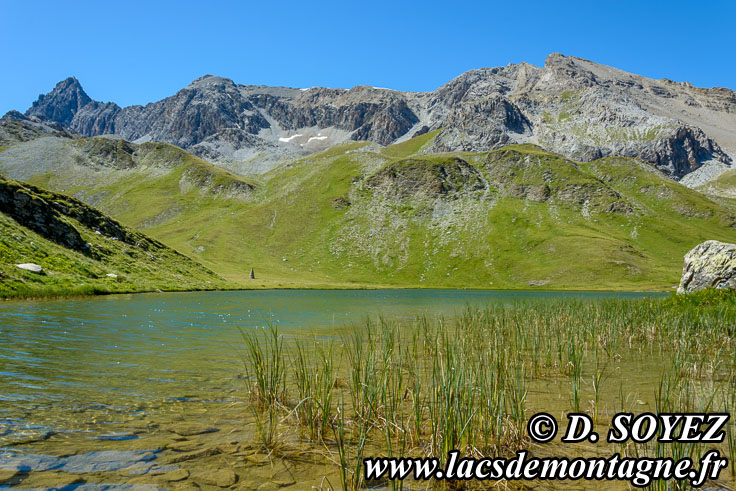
(287, 140)
(317, 138)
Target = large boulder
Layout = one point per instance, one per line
(711, 264)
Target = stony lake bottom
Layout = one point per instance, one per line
(157, 390)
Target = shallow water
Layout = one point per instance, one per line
(119, 389)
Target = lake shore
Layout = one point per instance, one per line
(279, 284)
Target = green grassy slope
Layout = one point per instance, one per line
(78, 247)
(513, 218)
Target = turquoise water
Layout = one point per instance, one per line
(90, 350)
(123, 348)
(114, 373)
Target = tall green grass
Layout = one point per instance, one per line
(427, 387)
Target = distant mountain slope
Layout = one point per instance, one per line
(16, 128)
(724, 185)
(358, 214)
(90, 168)
(571, 106)
(81, 250)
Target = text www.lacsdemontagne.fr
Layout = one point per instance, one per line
(638, 471)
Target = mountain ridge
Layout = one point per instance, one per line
(575, 107)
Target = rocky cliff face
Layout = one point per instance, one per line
(711, 264)
(580, 109)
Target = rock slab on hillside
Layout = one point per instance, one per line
(34, 268)
(711, 264)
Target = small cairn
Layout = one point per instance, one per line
(252, 274)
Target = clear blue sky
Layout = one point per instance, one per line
(136, 52)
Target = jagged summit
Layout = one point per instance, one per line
(69, 84)
(578, 108)
(62, 103)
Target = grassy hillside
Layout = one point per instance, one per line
(514, 218)
(81, 250)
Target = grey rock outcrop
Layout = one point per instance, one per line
(483, 125)
(17, 128)
(711, 264)
(446, 178)
(376, 115)
(31, 210)
(572, 106)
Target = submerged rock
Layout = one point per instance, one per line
(184, 446)
(177, 475)
(197, 454)
(223, 478)
(711, 264)
(7, 475)
(101, 461)
(190, 429)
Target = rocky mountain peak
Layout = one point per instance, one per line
(71, 85)
(211, 82)
(554, 59)
(62, 103)
(558, 61)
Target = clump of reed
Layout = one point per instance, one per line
(424, 388)
(264, 365)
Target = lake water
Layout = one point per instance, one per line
(108, 390)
